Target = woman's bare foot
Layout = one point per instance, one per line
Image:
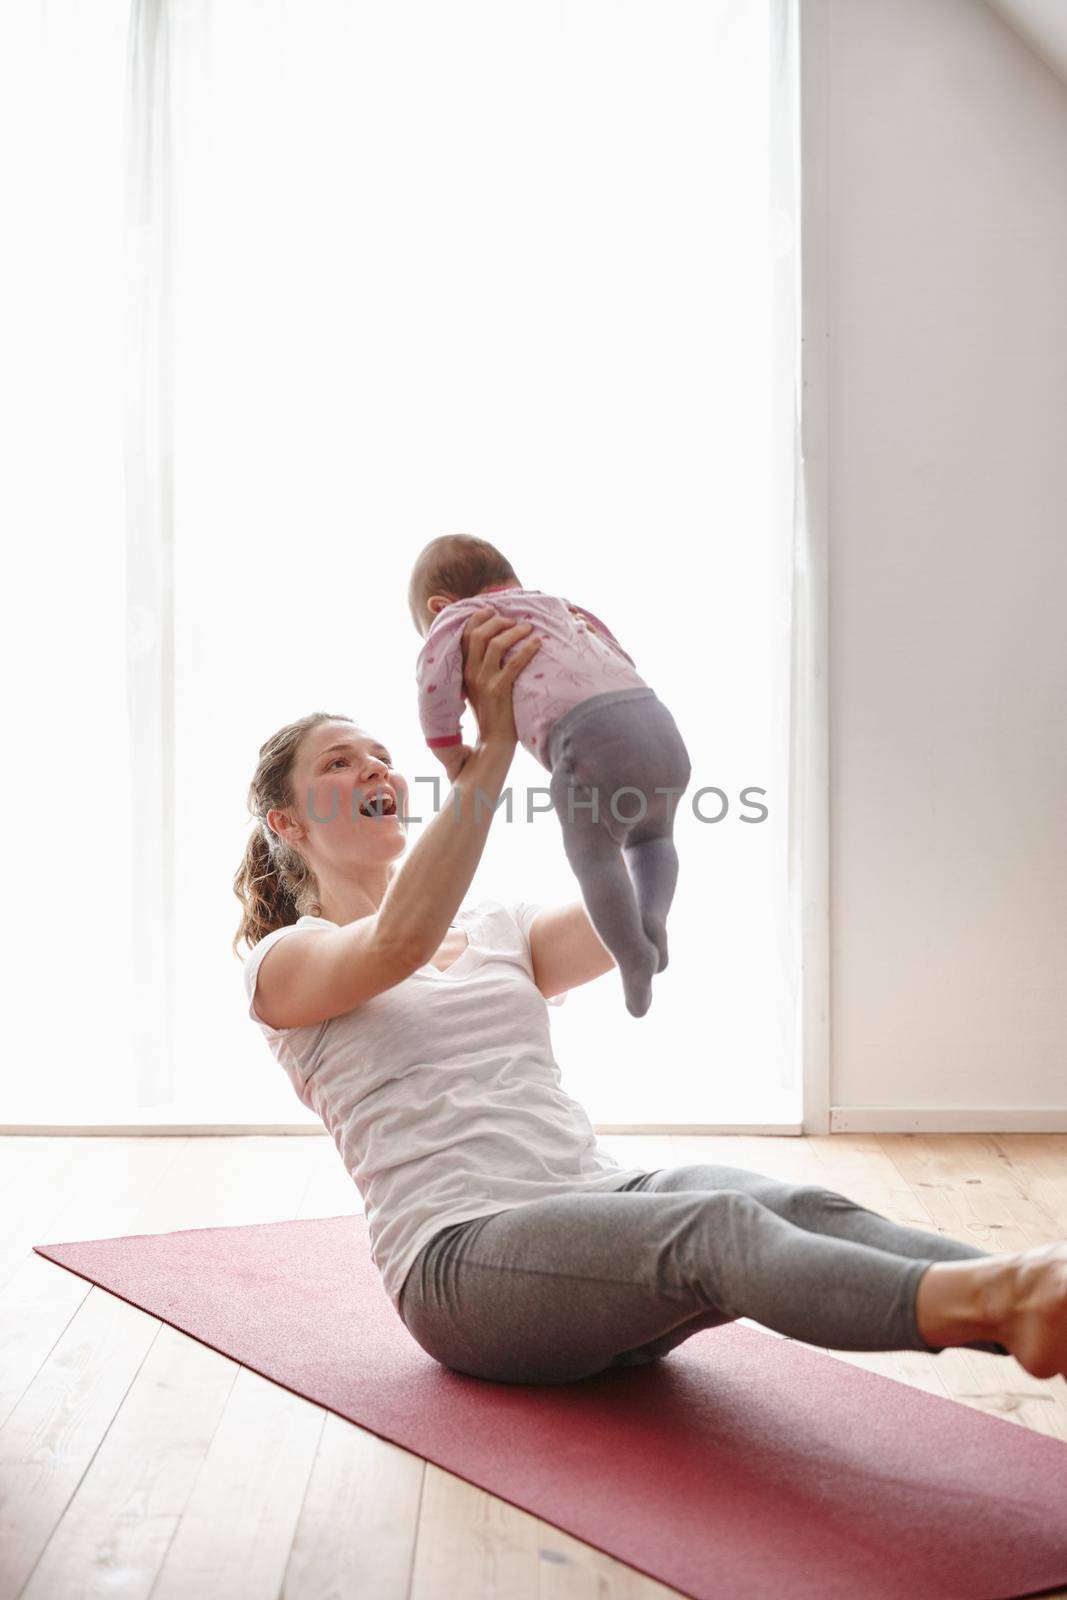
(1018, 1300)
(1035, 1327)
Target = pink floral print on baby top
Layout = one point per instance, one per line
(579, 657)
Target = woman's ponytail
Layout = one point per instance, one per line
(274, 883)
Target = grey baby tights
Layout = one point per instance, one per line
(608, 757)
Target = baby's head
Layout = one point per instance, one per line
(454, 566)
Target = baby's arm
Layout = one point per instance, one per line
(439, 674)
(454, 758)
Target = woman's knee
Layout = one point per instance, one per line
(716, 1178)
(792, 1201)
(815, 1199)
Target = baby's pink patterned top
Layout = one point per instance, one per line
(579, 657)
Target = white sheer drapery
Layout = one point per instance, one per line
(150, 594)
(526, 271)
(67, 869)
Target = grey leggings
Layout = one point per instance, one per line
(561, 1288)
(608, 756)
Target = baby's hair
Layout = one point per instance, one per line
(458, 564)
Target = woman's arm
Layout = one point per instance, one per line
(308, 976)
(566, 949)
(430, 885)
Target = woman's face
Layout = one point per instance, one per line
(339, 768)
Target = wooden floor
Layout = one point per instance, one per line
(135, 1461)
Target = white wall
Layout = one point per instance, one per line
(946, 272)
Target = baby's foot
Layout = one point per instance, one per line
(637, 981)
(657, 932)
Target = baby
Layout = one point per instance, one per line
(618, 763)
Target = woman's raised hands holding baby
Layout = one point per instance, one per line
(488, 679)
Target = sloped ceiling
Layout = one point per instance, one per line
(1043, 26)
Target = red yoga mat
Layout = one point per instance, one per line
(741, 1465)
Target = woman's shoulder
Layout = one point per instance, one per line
(269, 940)
(293, 927)
(251, 973)
(509, 923)
(504, 921)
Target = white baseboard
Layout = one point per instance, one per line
(947, 1119)
(168, 1122)
(176, 1119)
(130, 1127)
(771, 1112)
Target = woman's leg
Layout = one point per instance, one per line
(561, 1288)
(817, 1209)
(811, 1206)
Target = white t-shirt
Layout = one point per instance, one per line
(442, 1094)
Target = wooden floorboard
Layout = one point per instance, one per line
(137, 1462)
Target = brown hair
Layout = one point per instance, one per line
(455, 563)
(274, 883)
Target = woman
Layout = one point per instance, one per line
(511, 1245)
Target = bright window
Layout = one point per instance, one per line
(493, 267)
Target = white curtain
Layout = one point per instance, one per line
(520, 270)
(152, 76)
(67, 867)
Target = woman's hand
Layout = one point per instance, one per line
(488, 681)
